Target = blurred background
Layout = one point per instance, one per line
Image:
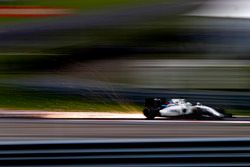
(96, 55)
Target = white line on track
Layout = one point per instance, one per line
(153, 121)
(221, 122)
(128, 121)
(169, 121)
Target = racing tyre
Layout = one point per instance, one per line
(196, 114)
(199, 114)
(222, 111)
(150, 113)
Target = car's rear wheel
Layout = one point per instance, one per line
(150, 113)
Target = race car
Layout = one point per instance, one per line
(173, 108)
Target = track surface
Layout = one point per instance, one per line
(39, 129)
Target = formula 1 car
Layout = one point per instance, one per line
(160, 107)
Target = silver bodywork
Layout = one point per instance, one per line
(179, 107)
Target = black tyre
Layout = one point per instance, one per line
(222, 111)
(200, 114)
(197, 114)
(150, 113)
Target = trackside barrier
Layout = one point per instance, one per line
(131, 152)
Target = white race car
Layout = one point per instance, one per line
(159, 107)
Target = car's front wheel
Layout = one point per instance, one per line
(201, 114)
(222, 111)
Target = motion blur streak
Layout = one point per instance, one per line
(59, 129)
(110, 55)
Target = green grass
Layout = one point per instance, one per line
(80, 4)
(77, 4)
(24, 99)
(15, 98)
(239, 112)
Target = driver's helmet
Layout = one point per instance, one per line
(175, 101)
(198, 104)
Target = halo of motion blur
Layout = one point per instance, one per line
(180, 108)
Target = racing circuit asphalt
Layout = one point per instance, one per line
(14, 129)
